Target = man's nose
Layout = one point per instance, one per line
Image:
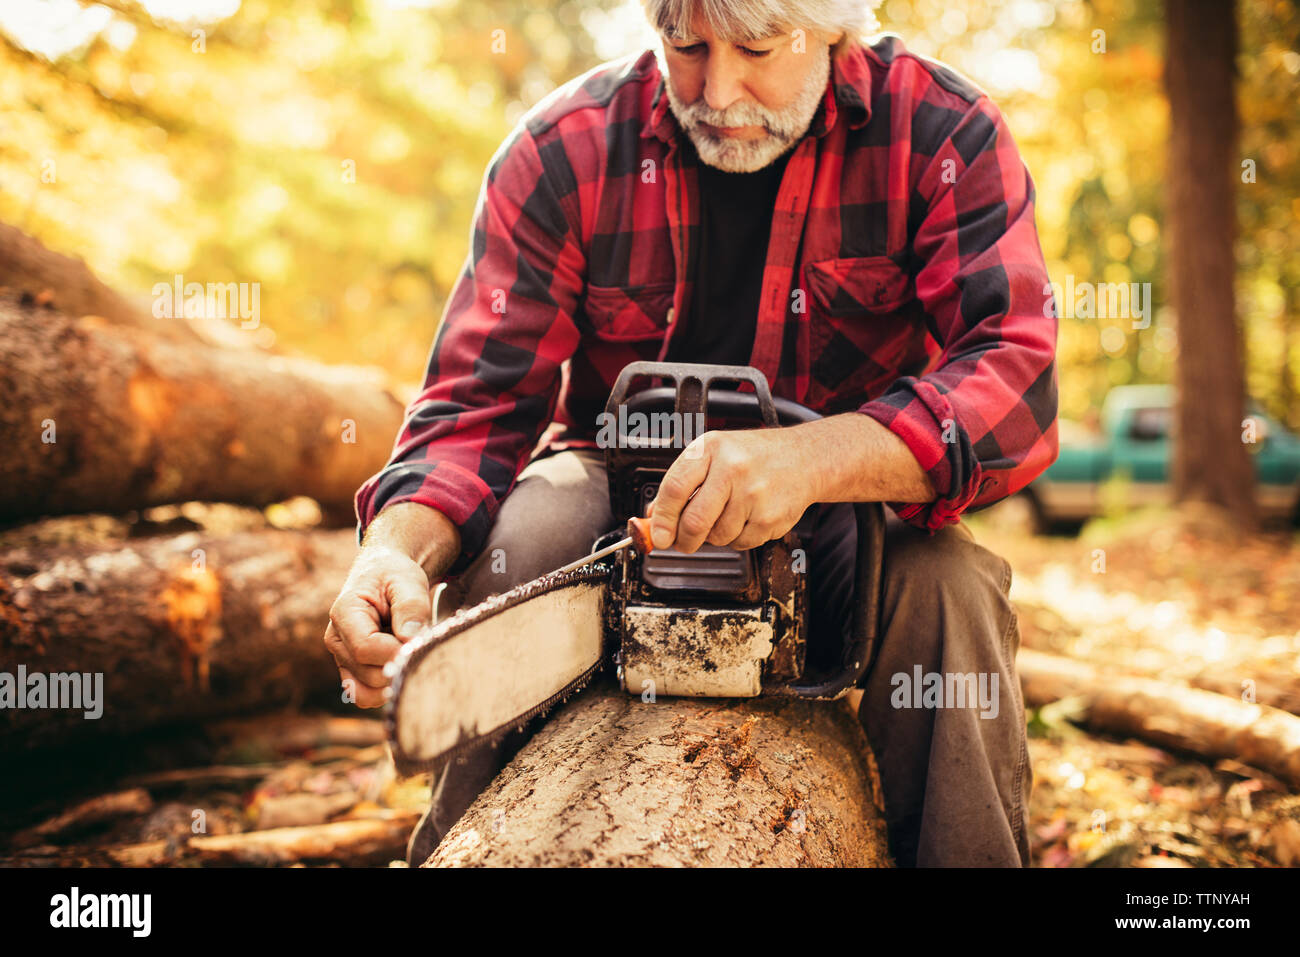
(722, 86)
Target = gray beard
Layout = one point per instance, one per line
(784, 127)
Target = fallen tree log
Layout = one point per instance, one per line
(27, 266)
(611, 780)
(1169, 715)
(1265, 685)
(166, 629)
(106, 419)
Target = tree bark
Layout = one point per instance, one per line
(611, 780)
(1173, 716)
(1210, 461)
(27, 266)
(98, 418)
(186, 627)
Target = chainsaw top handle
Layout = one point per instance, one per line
(692, 390)
(691, 393)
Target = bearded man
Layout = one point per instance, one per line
(769, 188)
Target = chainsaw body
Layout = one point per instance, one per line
(719, 622)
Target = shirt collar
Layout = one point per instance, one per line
(847, 92)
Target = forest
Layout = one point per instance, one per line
(228, 229)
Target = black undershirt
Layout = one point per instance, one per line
(735, 225)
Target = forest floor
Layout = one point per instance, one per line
(1168, 595)
(1158, 594)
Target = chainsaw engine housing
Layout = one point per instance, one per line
(715, 623)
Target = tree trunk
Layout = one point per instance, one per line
(27, 266)
(611, 780)
(1173, 716)
(180, 628)
(98, 418)
(1210, 461)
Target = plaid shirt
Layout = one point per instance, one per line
(903, 279)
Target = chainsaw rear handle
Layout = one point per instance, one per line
(692, 393)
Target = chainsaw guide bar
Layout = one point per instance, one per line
(450, 697)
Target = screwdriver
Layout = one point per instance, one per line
(638, 536)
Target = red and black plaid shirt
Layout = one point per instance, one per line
(904, 279)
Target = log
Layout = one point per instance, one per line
(186, 627)
(1173, 716)
(28, 267)
(89, 813)
(360, 841)
(106, 419)
(611, 780)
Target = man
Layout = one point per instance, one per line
(764, 189)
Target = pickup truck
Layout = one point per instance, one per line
(1131, 450)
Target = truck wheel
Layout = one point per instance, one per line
(1019, 514)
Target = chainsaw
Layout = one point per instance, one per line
(719, 622)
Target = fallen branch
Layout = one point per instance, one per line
(1173, 716)
(366, 841)
(268, 737)
(91, 813)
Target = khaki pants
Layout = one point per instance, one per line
(941, 704)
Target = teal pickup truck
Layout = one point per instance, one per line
(1127, 461)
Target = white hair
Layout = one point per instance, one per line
(742, 21)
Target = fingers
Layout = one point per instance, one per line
(410, 606)
(701, 513)
(385, 594)
(764, 527)
(753, 535)
(681, 480)
(730, 523)
(360, 659)
(353, 619)
(363, 695)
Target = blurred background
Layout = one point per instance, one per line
(331, 151)
(231, 164)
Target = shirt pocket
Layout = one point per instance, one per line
(631, 313)
(857, 286)
(861, 329)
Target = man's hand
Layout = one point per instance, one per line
(744, 488)
(386, 600)
(384, 603)
(739, 488)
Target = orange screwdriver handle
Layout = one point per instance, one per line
(638, 529)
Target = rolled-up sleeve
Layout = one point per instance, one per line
(494, 371)
(982, 424)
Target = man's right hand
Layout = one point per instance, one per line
(386, 601)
